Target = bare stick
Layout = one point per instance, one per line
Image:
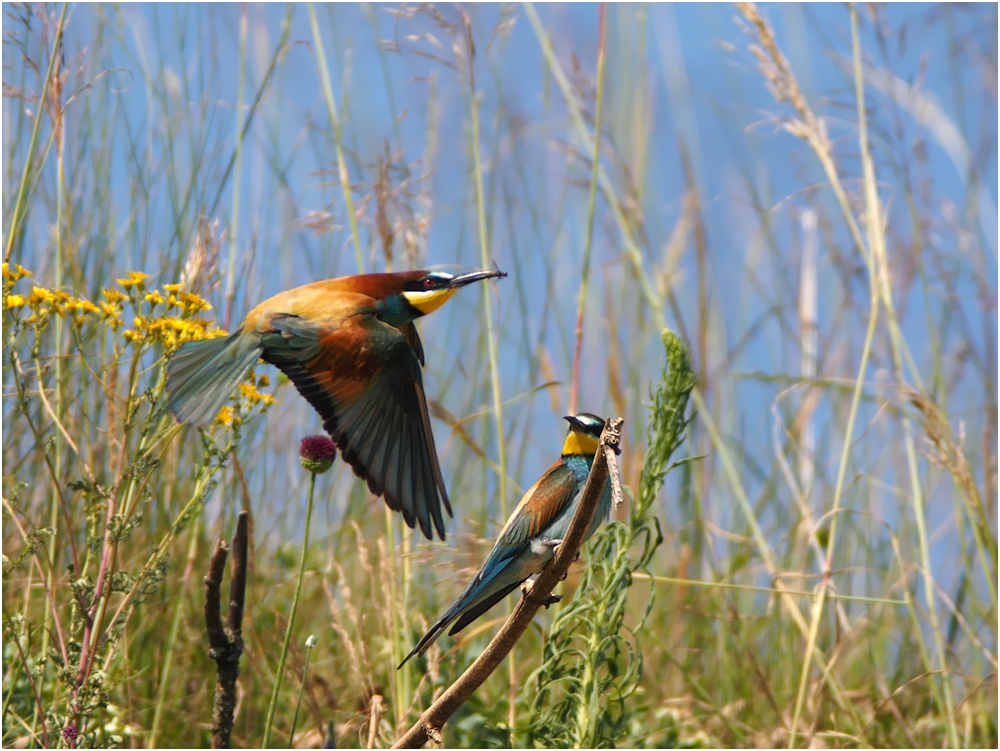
(539, 593)
(375, 714)
(238, 577)
(226, 648)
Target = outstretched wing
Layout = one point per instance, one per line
(363, 377)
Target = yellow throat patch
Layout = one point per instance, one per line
(431, 300)
(578, 443)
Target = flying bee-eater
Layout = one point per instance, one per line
(528, 540)
(350, 347)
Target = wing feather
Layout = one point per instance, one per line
(392, 450)
(363, 378)
(421, 486)
(543, 502)
(410, 332)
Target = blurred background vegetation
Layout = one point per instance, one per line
(828, 570)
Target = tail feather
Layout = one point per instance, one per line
(472, 613)
(481, 594)
(202, 375)
(438, 628)
(429, 638)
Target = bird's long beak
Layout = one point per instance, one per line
(476, 276)
(575, 423)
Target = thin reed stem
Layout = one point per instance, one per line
(286, 29)
(591, 203)
(234, 219)
(484, 259)
(491, 346)
(394, 632)
(769, 590)
(165, 685)
(576, 115)
(331, 106)
(13, 229)
(881, 289)
(310, 644)
(837, 490)
(39, 707)
(57, 115)
(280, 671)
(763, 548)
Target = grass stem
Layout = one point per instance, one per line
(331, 106)
(280, 671)
(14, 227)
(484, 261)
(166, 684)
(234, 219)
(770, 590)
(310, 644)
(591, 202)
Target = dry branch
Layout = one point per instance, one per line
(226, 648)
(539, 593)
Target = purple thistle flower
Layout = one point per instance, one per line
(69, 733)
(317, 453)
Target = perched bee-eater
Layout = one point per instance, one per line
(528, 540)
(350, 347)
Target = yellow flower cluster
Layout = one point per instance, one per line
(253, 396)
(227, 417)
(248, 397)
(134, 279)
(169, 330)
(12, 275)
(172, 296)
(43, 302)
(176, 322)
(189, 302)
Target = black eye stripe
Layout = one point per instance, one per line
(590, 423)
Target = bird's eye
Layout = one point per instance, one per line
(428, 283)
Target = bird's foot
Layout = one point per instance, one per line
(554, 544)
(548, 542)
(526, 588)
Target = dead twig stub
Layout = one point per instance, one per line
(534, 596)
(376, 711)
(226, 645)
